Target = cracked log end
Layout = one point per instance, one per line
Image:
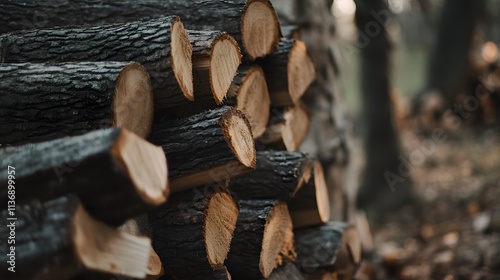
(133, 93)
(259, 28)
(296, 126)
(277, 244)
(146, 165)
(181, 58)
(220, 222)
(238, 134)
(254, 101)
(311, 205)
(225, 57)
(300, 71)
(109, 251)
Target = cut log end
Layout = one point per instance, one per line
(181, 58)
(321, 193)
(238, 134)
(259, 28)
(277, 241)
(133, 93)
(220, 222)
(254, 101)
(110, 250)
(151, 178)
(300, 71)
(296, 126)
(225, 58)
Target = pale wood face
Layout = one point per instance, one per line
(181, 59)
(260, 29)
(224, 61)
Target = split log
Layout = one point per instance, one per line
(209, 147)
(161, 45)
(193, 231)
(289, 72)
(116, 174)
(40, 102)
(263, 238)
(311, 205)
(216, 57)
(140, 226)
(277, 175)
(287, 128)
(57, 239)
(253, 23)
(248, 93)
(334, 247)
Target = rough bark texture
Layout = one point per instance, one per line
(179, 232)
(41, 102)
(276, 69)
(277, 175)
(207, 15)
(43, 240)
(244, 257)
(84, 165)
(148, 43)
(189, 151)
(328, 247)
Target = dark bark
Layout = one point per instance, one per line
(148, 43)
(327, 247)
(41, 102)
(43, 240)
(291, 32)
(288, 271)
(217, 274)
(179, 232)
(276, 70)
(277, 175)
(244, 258)
(189, 151)
(84, 165)
(197, 14)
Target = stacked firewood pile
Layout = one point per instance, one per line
(94, 103)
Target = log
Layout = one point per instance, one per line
(334, 247)
(248, 93)
(193, 231)
(75, 98)
(140, 226)
(193, 159)
(288, 271)
(287, 128)
(116, 174)
(289, 72)
(56, 240)
(216, 274)
(161, 45)
(277, 175)
(216, 57)
(290, 31)
(263, 238)
(311, 205)
(253, 23)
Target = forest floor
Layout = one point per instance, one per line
(457, 233)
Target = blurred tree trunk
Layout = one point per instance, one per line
(449, 64)
(383, 188)
(326, 138)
